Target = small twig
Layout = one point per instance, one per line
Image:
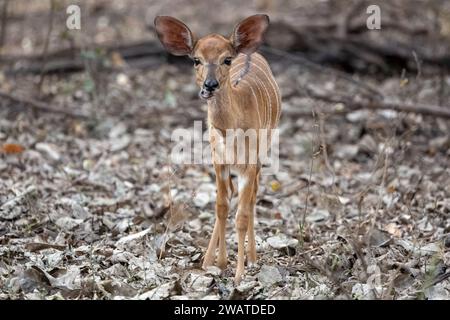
(323, 143)
(39, 106)
(309, 179)
(419, 65)
(442, 86)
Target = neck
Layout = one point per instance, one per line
(221, 113)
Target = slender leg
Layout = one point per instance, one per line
(251, 249)
(211, 251)
(243, 217)
(222, 208)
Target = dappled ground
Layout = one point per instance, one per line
(93, 208)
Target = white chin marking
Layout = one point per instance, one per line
(206, 95)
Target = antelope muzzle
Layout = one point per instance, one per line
(210, 85)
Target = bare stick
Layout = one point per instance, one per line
(40, 106)
(4, 17)
(46, 44)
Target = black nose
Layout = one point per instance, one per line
(211, 84)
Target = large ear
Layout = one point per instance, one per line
(174, 35)
(248, 34)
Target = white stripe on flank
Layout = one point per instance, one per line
(262, 66)
(268, 107)
(256, 101)
(254, 95)
(261, 100)
(260, 88)
(272, 82)
(269, 76)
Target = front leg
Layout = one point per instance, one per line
(244, 217)
(222, 208)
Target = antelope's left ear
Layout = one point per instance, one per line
(248, 34)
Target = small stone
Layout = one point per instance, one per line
(161, 292)
(88, 164)
(121, 143)
(205, 215)
(282, 241)
(357, 116)
(368, 144)
(123, 80)
(68, 223)
(437, 292)
(246, 286)
(214, 271)
(200, 282)
(269, 275)
(49, 150)
(362, 291)
(347, 151)
(204, 195)
(317, 215)
(201, 199)
(447, 241)
(195, 225)
(424, 225)
(118, 130)
(430, 248)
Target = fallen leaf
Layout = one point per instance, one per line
(275, 185)
(12, 148)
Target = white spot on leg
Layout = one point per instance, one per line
(242, 182)
(225, 177)
(225, 173)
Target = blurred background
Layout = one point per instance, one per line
(92, 207)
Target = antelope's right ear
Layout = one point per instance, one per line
(174, 35)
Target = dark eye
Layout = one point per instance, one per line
(227, 61)
(197, 61)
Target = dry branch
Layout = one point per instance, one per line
(138, 55)
(355, 104)
(39, 106)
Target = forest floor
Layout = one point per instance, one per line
(93, 208)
